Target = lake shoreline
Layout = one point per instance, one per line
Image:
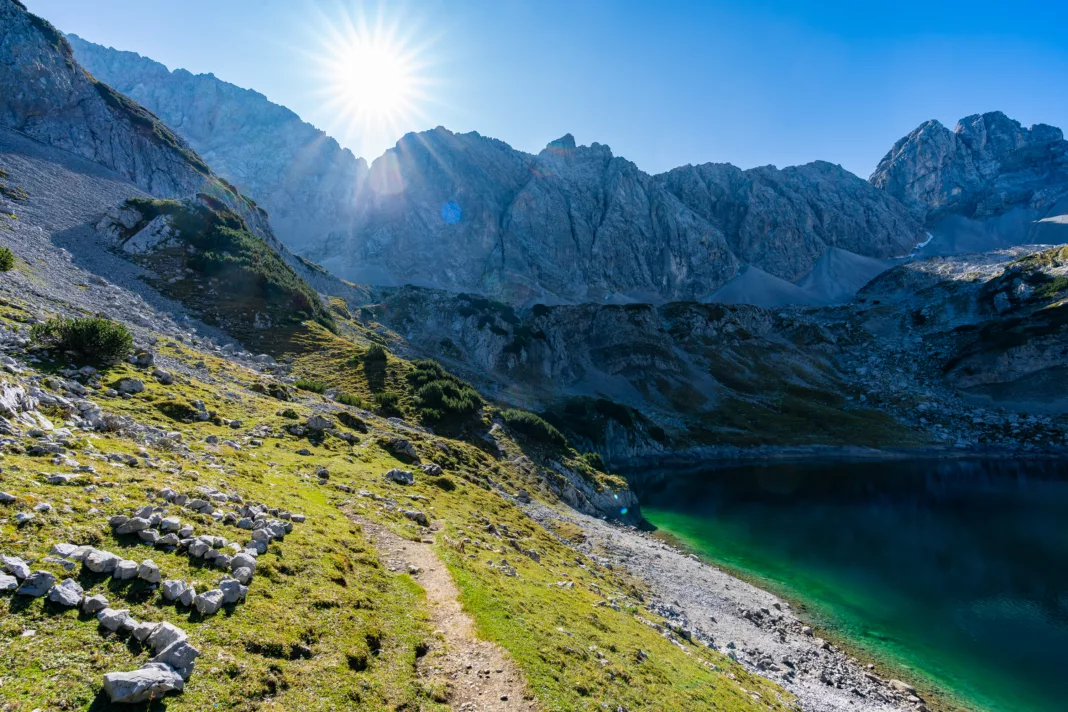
(642, 472)
(935, 697)
(761, 630)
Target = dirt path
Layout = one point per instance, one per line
(480, 675)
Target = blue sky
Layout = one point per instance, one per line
(663, 83)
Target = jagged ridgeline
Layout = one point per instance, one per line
(206, 257)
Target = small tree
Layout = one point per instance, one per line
(98, 341)
(7, 259)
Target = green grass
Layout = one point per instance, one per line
(310, 386)
(324, 588)
(235, 275)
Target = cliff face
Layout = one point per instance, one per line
(578, 224)
(303, 178)
(988, 165)
(50, 98)
(468, 213)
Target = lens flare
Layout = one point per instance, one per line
(372, 76)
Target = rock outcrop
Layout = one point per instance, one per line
(988, 165)
(50, 98)
(303, 178)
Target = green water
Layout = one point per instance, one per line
(957, 572)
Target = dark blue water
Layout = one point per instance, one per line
(955, 572)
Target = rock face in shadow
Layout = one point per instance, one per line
(50, 98)
(303, 178)
(988, 165)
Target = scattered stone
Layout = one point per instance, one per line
(150, 682)
(129, 386)
(164, 377)
(298, 518)
(150, 536)
(149, 571)
(243, 574)
(170, 524)
(101, 562)
(64, 479)
(402, 449)
(319, 423)
(144, 630)
(173, 589)
(36, 584)
(7, 498)
(188, 596)
(164, 635)
(133, 525)
(92, 605)
(431, 469)
(403, 477)
(180, 655)
(208, 603)
(23, 517)
(15, 566)
(417, 517)
(232, 590)
(66, 593)
(125, 570)
(113, 619)
(63, 550)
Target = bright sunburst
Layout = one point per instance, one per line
(373, 77)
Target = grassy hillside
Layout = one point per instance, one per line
(326, 625)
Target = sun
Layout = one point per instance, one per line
(372, 78)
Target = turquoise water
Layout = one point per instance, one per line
(956, 571)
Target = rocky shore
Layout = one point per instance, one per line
(756, 628)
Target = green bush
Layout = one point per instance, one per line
(349, 399)
(440, 395)
(533, 427)
(387, 401)
(290, 414)
(444, 483)
(375, 355)
(251, 276)
(97, 341)
(594, 460)
(7, 259)
(313, 386)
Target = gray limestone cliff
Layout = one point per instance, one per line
(48, 97)
(988, 184)
(301, 176)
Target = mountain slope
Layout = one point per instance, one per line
(576, 223)
(51, 99)
(304, 179)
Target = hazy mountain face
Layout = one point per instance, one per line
(301, 176)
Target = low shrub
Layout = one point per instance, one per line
(533, 427)
(7, 259)
(440, 395)
(98, 341)
(312, 386)
(444, 483)
(375, 355)
(387, 401)
(349, 399)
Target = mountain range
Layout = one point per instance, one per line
(464, 212)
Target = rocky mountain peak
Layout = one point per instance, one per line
(987, 166)
(565, 142)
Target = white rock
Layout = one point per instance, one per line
(125, 570)
(101, 562)
(148, 571)
(151, 682)
(91, 605)
(113, 619)
(208, 603)
(66, 593)
(15, 566)
(36, 584)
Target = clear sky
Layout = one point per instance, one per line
(663, 83)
